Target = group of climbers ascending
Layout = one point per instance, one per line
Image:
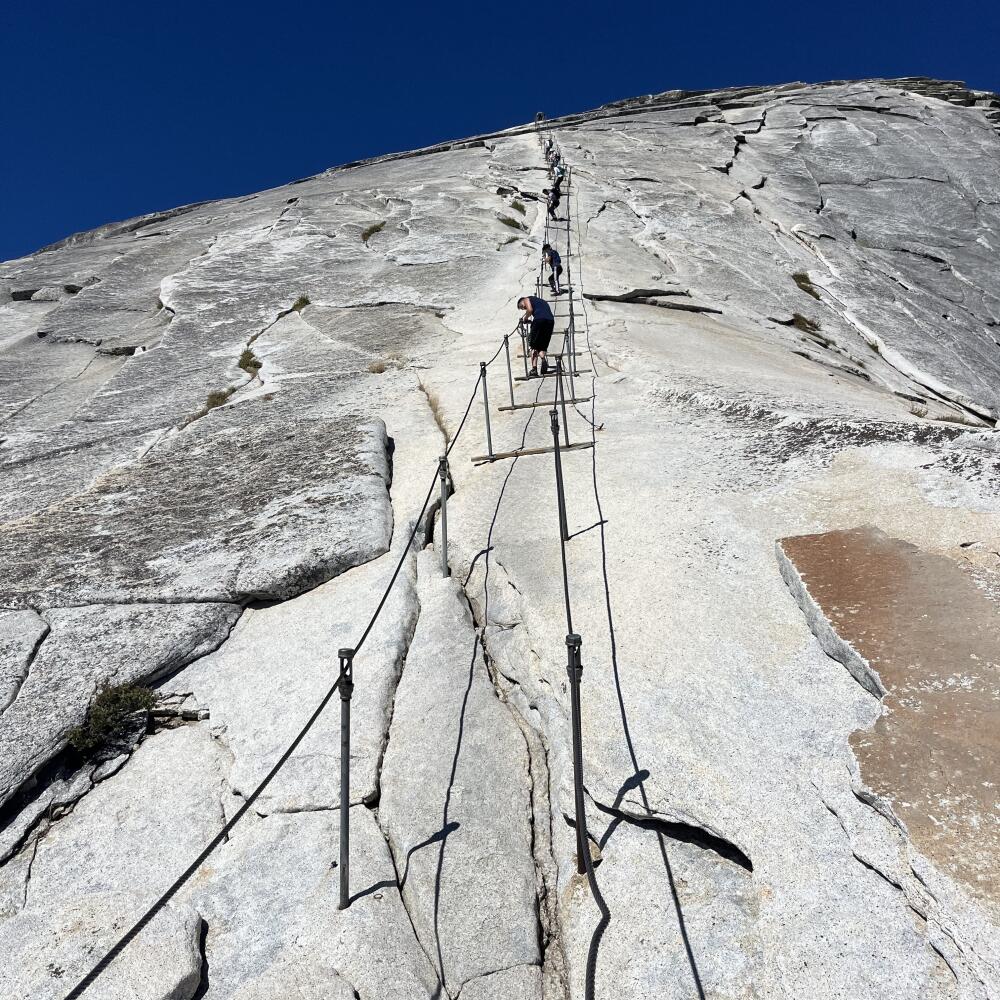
(537, 312)
(554, 159)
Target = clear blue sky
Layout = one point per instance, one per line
(112, 109)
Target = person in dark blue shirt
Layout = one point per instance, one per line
(553, 204)
(537, 311)
(554, 261)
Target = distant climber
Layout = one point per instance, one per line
(554, 262)
(542, 324)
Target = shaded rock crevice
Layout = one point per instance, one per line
(681, 832)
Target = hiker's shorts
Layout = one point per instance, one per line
(541, 334)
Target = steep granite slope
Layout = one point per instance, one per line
(218, 423)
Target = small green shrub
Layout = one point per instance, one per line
(249, 362)
(508, 221)
(804, 324)
(368, 232)
(300, 303)
(518, 206)
(802, 280)
(217, 397)
(377, 367)
(108, 714)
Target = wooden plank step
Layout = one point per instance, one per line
(546, 402)
(500, 456)
(566, 374)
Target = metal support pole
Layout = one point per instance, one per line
(443, 473)
(560, 495)
(510, 374)
(346, 690)
(524, 345)
(561, 392)
(486, 407)
(574, 667)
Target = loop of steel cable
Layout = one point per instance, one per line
(616, 673)
(223, 834)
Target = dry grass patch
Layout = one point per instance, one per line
(434, 402)
(250, 363)
(804, 324)
(802, 280)
(513, 223)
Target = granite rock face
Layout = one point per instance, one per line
(220, 425)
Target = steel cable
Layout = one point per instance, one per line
(223, 834)
(179, 883)
(583, 836)
(614, 653)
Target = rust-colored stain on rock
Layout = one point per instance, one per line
(933, 638)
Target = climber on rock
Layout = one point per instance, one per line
(537, 311)
(554, 262)
(553, 203)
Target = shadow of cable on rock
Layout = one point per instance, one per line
(398, 883)
(640, 775)
(445, 822)
(478, 645)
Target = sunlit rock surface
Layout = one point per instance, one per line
(218, 425)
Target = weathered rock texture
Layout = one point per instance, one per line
(218, 425)
(916, 628)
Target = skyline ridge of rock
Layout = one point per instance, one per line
(956, 91)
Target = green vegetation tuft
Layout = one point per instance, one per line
(300, 303)
(802, 280)
(513, 223)
(249, 362)
(518, 206)
(368, 232)
(217, 397)
(108, 715)
(804, 324)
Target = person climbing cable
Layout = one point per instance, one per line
(554, 262)
(542, 324)
(553, 203)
